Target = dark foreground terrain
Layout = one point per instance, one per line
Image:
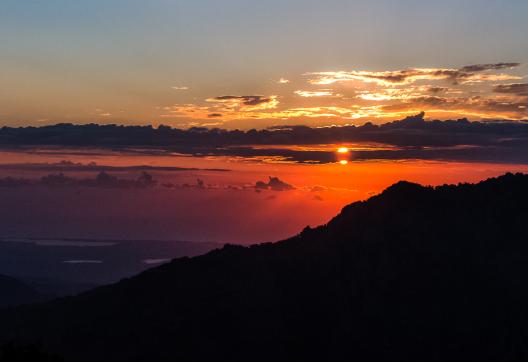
(414, 274)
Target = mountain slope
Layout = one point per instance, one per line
(14, 292)
(414, 274)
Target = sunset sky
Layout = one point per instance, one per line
(244, 64)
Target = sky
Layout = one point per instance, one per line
(240, 64)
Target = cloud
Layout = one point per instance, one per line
(520, 89)
(68, 166)
(476, 106)
(283, 81)
(246, 103)
(318, 189)
(201, 185)
(15, 182)
(409, 138)
(321, 93)
(188, 110)
(102, 113)
(381, 95)
(102, 180)
(467, 74)
(389, 94)
(318, 112)
(407, 92)
(230, 113)
(274, 184)
(228, 107)
(180, 88)
(435, 90)
(483, 67)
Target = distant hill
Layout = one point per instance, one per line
(14, 292)
(414, 274)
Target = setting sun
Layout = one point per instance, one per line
(342, 150)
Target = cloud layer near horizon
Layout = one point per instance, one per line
(410, 138)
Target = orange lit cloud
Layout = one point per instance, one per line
(245, 103)
(476, 106)
(468, 74)
(475, 91)
(198, 112)
(321, 93)
(520, 89)
(408, 92)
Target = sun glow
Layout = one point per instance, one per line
(342, 150)
(343, 162)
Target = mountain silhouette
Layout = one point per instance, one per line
(14, 292)
(413, 274)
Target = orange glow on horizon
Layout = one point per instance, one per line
(320, 190)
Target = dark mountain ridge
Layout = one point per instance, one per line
(414, 274)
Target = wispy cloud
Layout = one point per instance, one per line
(476, 106)
(247, 103)
(475, 91)
(83, 262)
(102, 113)
(199, 112)
(320, 93)
(464, 75)
(520, 89)
(482, 67)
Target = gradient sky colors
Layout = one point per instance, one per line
(256, 64)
